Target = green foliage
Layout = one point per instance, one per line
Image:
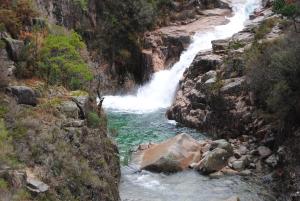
(274, 71)
(61, 62)
(3, 184)
(93, 120)
(286, 8)
(22, 195)
(82, 3)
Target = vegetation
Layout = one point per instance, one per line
(61, 62)
(274, 71)
(16, 14)
(290, 9)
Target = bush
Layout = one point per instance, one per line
(93, 120)
(274, 71)
(16, 15)
(61, 62)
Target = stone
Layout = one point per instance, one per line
(81, 102)
(36, 185)
(70, 109)
(223, 144)
(241, 163)
(213, 161)
(220, 46)
(264, 151)
(14, 48)
(24, 95)
(172, 155)
(233, 86)
(272, 160)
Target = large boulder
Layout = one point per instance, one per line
(173, 155)
(24, 95)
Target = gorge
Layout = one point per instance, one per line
(149, 100)
(140, 118)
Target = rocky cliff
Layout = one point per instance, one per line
(225, 93)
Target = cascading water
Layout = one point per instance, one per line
(159, 92)
(140, 119)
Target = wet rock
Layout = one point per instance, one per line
(264, 151)
(36, 185)
(213, 161)
(173, 155)
(24, 95)
(70, 109)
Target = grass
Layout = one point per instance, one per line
(3, 184)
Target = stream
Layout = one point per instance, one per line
(140, 118)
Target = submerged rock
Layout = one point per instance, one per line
(173, 155)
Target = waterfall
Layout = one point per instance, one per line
(159, 92)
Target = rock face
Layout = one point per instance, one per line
(173, 155)
(64, 154)
(212, 95)
(14, 48)
(24, 95)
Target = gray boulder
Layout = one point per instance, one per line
(24, 95)
(14, 48)
(70, 109)
(223, 144)
(213, 161)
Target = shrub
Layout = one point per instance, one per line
(290, 9)
(3, 184)
(15, 14)
(61, 62)
(93, 120)
(274, 71)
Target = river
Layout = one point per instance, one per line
(140, 118)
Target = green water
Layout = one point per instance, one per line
(130, 130)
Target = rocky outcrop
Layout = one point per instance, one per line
(163, 47)
(212, 95)
(24, 95)
(68, 156)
